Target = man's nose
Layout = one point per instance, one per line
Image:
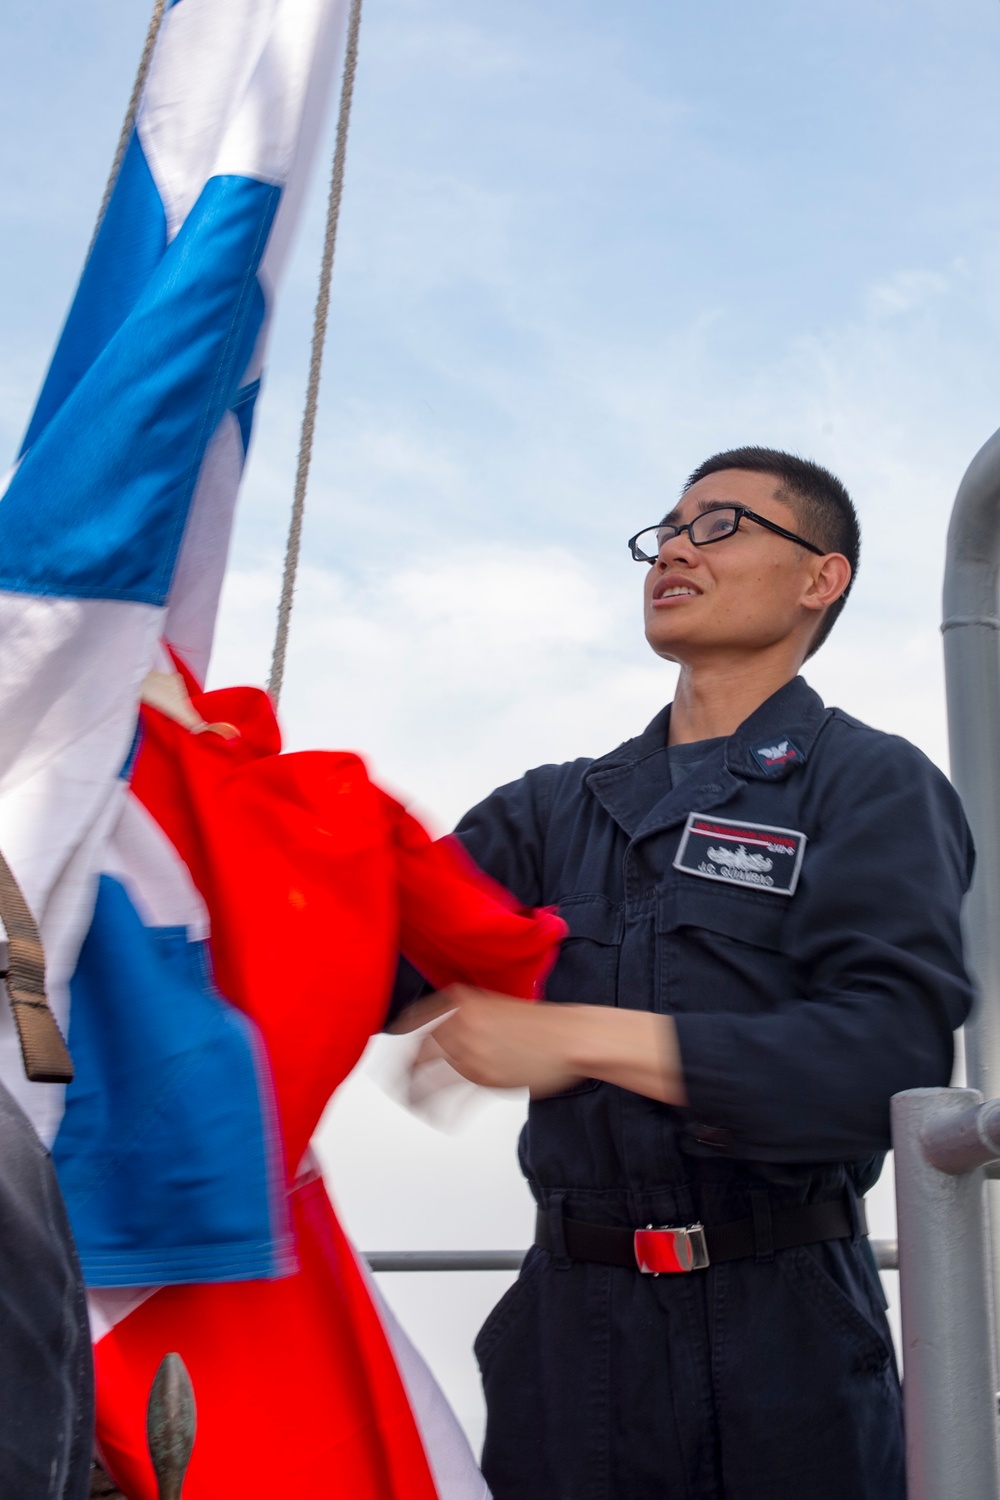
(677, 549)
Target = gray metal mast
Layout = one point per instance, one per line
(971, 629)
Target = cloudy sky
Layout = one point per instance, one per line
(582, 246)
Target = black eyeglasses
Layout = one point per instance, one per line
(710, 526)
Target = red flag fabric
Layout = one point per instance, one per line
(313, 878)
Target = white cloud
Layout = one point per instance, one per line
(454, 672)
(907, 290)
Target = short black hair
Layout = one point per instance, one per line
(824, 510)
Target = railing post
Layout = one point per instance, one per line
(971, 626)
(945, 1293)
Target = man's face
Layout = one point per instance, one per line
(741, 594)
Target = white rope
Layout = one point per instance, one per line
(316, 361)
(130, 114)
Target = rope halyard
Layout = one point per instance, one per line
(130, 114)
(320, 319)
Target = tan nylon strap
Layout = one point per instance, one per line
(45, 1054)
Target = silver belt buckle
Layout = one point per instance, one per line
(670, 1248)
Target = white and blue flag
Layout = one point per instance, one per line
(114, 530)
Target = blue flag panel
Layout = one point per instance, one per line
(164, 1110)
(139, 383)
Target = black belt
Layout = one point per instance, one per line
(691, 1247)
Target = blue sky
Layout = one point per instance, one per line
(582, 246)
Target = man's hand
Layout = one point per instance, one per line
(502, 1043)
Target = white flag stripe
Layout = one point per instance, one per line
(158, 882)
(51, 698)
(201, 563)
(64, 922)
(238, 88)
(67, 731)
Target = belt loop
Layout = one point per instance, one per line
(557, 1232)
(857, 1209)
(763, 1229)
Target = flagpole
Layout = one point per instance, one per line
(320, 320)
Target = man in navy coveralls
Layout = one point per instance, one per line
(763, 900)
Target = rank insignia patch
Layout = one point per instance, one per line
(768, 859)
(774, 757)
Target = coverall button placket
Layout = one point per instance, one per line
(638, 879)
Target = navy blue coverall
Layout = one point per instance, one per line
(799, 1015)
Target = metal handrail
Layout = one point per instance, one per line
(943, 1141)
(886, 1258)
(971, 626)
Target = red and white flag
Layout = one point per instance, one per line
(312, 879)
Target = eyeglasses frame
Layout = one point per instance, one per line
(741, 513)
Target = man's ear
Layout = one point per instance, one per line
(829, 579)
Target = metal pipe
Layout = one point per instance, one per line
(886, 1254)
(886, 1258)
(971, 627)
(445, 1260)
(945, 1297)
(961, 1142)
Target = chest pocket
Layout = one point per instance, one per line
(586, 972)
(738, 913)
(587, 969)
(720, 950)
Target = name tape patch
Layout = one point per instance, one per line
(769, 859)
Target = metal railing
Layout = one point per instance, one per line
(886, 1257)
(945, 1141)
(971, 629)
